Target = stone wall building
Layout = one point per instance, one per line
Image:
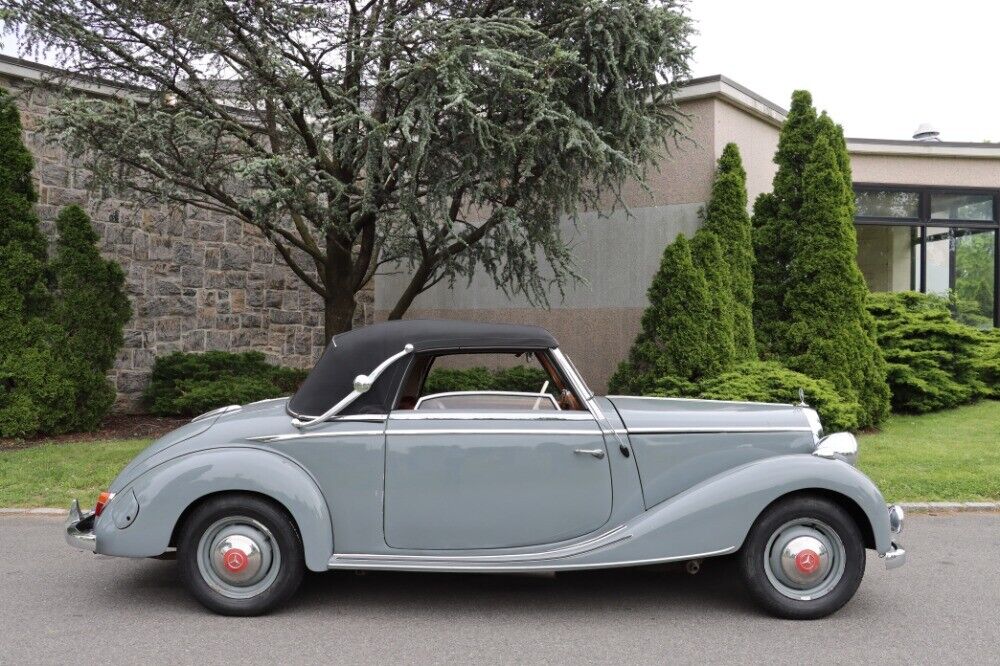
(197, 280)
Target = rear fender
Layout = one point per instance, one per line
(714, 517)
(167, 490)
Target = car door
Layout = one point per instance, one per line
(460, 479)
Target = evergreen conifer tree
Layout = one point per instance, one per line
(830, 332)
(35, 391)
(674, 329)
(92, 308)
(720, 347)
(775, 216)
(726, 216)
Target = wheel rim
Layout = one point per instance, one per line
(805, 559)
(238, 557)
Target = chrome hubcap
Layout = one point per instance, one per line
(238, 557)
(804, 559)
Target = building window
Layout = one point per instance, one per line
(933, 240)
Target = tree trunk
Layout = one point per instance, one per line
(338, 313)
(412, 290)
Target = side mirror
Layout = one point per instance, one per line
(362, 383)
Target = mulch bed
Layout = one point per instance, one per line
(115, 426)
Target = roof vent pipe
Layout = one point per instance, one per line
(926, 132)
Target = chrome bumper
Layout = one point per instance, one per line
(80, 528)
(896, 556)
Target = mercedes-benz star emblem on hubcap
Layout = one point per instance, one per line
(807, 561)
(235, 560)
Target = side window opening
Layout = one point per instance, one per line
(489, 381)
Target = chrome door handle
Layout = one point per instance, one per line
(597, 453)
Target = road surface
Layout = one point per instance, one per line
(58, 605)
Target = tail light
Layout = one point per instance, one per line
(102, 501)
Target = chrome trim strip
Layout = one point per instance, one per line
(524, 394)
(355, 394)
(729, 402)
(491, 416)
(711, 430)
(564, 551)
(348, 562)
(315, 435)
(492, 431)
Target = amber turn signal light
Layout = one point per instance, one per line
(102, 501)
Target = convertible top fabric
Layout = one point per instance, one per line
(358, 352)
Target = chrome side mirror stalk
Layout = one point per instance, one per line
(362, 384)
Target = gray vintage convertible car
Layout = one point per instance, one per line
(363, 469)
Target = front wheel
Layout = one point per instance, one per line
(803, 559)
(240, 555)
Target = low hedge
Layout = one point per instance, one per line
(934, 361)
(190, 384)
(768, 381)
(520, 378)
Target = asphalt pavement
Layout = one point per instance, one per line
(61, 606)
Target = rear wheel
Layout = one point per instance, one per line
(803, 559)
(240, 555)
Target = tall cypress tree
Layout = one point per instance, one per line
(830, 332)
(35, 391)
(709, 260)
(726, 216)
(775, 217)
(92, 308)
(674, 330)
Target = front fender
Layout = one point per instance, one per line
(165, 491)
(715, 516)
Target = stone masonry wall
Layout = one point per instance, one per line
(196, 280)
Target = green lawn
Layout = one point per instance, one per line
(945, 456)
(948, 456)
(53, 474)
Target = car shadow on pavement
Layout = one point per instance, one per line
(715, 589)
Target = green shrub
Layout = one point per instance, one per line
(190, 384)
(767, 381)
(988, 364)
(934, 361)
(518, 378)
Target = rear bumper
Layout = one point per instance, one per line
(80, 528)
(895, 557)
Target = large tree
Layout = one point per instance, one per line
(442, 136)
(829, 333)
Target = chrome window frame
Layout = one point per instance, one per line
(522, 394)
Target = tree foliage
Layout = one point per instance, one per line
(674, 334)
(92, 308)
(709, 260)
(726, 216)
(60, 322)
(934, 362)
(443, 137)
(810, 301)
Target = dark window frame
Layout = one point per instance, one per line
(924, 220)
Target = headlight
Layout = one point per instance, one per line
(838, 446)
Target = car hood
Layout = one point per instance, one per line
(681, 414)
(259, 418)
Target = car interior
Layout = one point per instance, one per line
(553, 394)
